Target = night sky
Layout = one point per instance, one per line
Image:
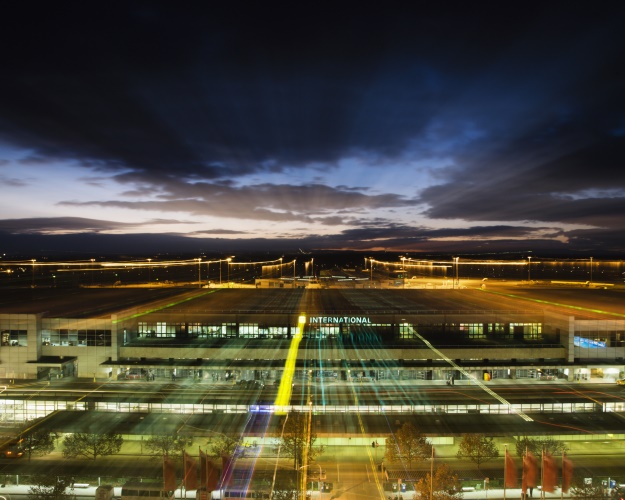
(485, 127)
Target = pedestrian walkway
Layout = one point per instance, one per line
(89, 491)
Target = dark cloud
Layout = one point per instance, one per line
(212, 92)
(270, 202)
(517, 110)
(60, 225)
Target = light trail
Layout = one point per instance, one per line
(164, 306)
(283, 397)
(557, 304)
(479, 383)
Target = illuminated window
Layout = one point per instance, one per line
(473, 330)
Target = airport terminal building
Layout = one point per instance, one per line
(230, 334)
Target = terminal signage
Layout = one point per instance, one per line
(351, 320)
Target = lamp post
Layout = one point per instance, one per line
(456, 281)
(529, 268)
(229, 259)
(403, 269)
(149, 270)
(320, 475)
(199, 272)
(33, 273)
(280, 267)
(591, 269)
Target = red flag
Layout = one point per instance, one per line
(203, 470)
(212, 477)
(190, 472)
(228, 464)
(169, 474)
(549, 473)
(567, 473)
(530, 472)
(511, 474)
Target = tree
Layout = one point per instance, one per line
(285, 488)
(478, 448)
(298, 439)
(91, 445)
(48, 487)
(172, 446)
(445, 485)
(407, 445)
(536, 446)
(223, 446)
(39, 443)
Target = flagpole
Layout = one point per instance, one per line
(184, 482)
(432, 475)
(524, 475)
(203, 470)
(505, 470)
(542, 473)
(562, 488)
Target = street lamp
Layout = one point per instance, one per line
(33, 270)
(149, 270)
(457, 282)
(199, 272)
(320, 476)
(403, 268)
(529, 264)
(229, 259)
(591, 269)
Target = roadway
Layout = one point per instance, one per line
(352, 470)
(326, 393)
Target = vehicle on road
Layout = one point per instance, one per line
(225, 493)
(139, 490)
(12, 448)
